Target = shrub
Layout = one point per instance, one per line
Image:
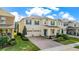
(66, 37)
(22, 36)
(60, 39)
(76, 47)
(25, 38)
(12, 42)
(58, 35)
(3, 41)
(19, 34)
(13, 39)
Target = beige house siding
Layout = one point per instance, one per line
(21, 26)
(38, 30)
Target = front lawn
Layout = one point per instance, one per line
(76, 47)
(68, 40)
(21, 46)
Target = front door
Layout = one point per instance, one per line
(45, 32)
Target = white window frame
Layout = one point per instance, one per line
(3, 20)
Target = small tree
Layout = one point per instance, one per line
(24, 31)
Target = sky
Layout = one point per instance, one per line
(71, 13)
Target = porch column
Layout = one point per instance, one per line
(55, 31)
(60, 31)
(12, 33)
(64, 31)
(49, 32)
(76, 31)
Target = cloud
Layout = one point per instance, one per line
(54, 8)
(61, 13)
(66, 15)
(39, 11)
(17, 16)
(54, 14)
(49, 16)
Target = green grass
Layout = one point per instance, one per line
(69, 41)
(21, 46)
(76, 47)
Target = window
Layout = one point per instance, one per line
(36, 22)
(60, 23)
(74, 25)
(28, 22)
(3, 20)
(65, 24)
(52, 22)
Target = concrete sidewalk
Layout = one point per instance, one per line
(61, 48)
(69, 47)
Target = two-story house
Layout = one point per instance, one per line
(73, 28)
(40, 26)
(6, 23)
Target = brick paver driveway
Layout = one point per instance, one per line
(43, 43)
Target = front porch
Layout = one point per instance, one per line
(51, 31)
(73, 31)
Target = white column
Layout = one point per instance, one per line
(48, 32)
(76, 31)
(64, 31)
(55, 23)
(55, 31)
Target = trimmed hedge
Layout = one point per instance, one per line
(22, 36)
(58, 35)
(60, 39)
(66, 37)
(25, 39)
(19, 34)
(3, 41)
(12, 42)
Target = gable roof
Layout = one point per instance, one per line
(5, 13)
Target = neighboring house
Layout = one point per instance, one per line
(40, 26)
(6, 23)
(73, 28)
